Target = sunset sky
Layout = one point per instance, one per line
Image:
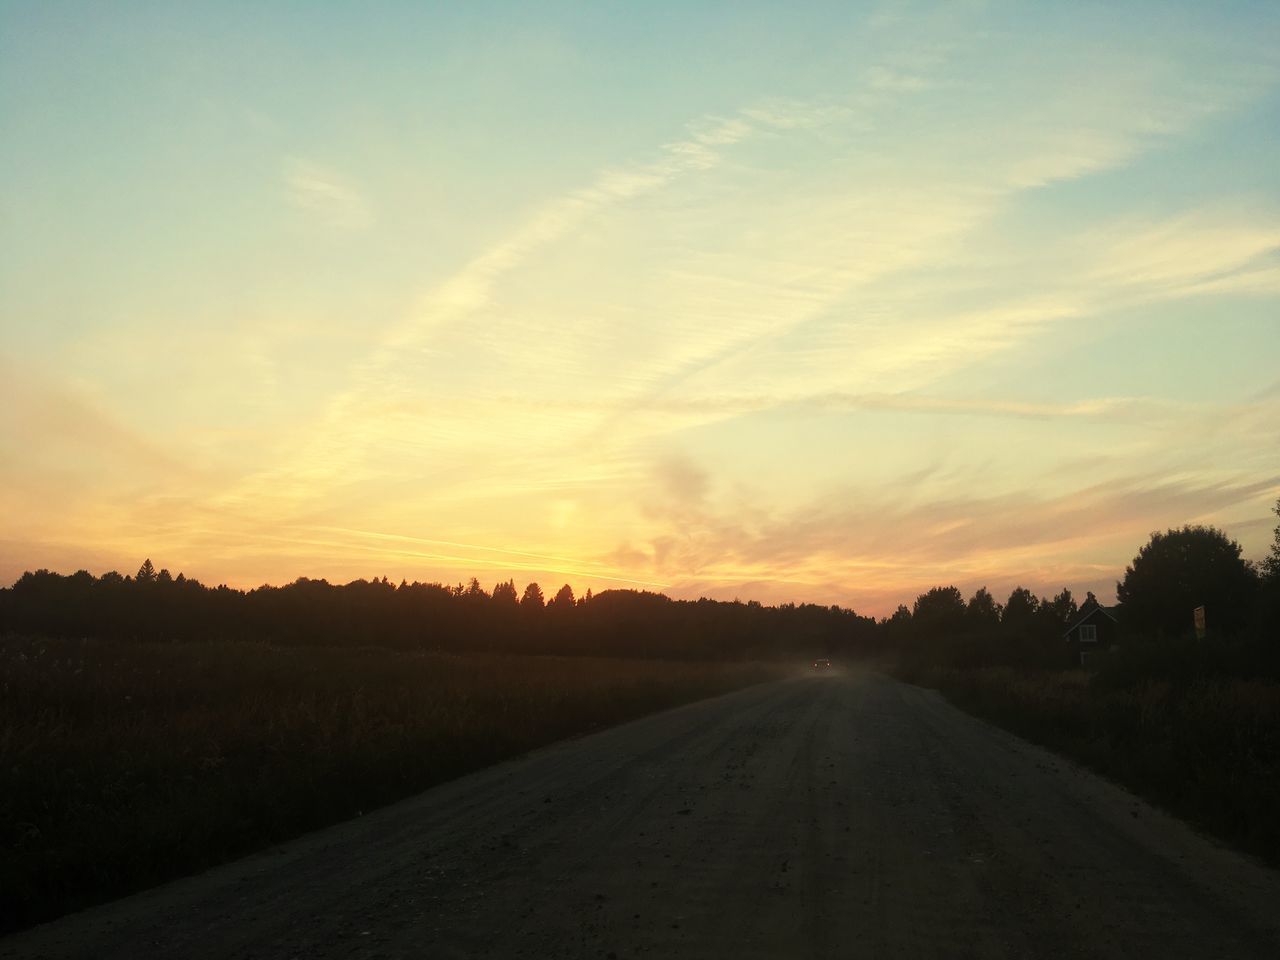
(822, 302)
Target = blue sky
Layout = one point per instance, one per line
(826, 304)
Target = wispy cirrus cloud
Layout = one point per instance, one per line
(66, 428)
(881, 549)
(1197, 252)
(326, 195)
(341, 435)
(1111, 409)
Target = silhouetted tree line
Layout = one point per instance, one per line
(1173, 574)
(942, 626)
(153, 605)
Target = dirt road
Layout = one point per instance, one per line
(834, 816)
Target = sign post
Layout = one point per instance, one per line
(1199, 615)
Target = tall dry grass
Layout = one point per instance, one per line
(126, 764)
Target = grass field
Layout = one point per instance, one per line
(125, 764)
(1207, 750)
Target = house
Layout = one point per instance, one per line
(1095, 628)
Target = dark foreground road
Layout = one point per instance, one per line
(840, 816)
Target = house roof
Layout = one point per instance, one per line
(1108, 612)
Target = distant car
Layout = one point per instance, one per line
(822, 664)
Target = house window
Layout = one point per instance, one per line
(1089, 633)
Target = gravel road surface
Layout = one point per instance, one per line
(845, 815)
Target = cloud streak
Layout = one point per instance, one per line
(881, 550)
(327, 196)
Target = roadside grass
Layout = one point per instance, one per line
(1207, 750)
(123, 765)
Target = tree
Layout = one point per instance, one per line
(1267, 614)
(939, 610)
(563, 600)
(1179, 570)
(504, 594)
(475, 593)
(1021, 608)
(532, 598)
(1061, 608)
(1271, 563)
(983, 611)
(146, 572)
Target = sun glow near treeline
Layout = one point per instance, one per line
(826, 305)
